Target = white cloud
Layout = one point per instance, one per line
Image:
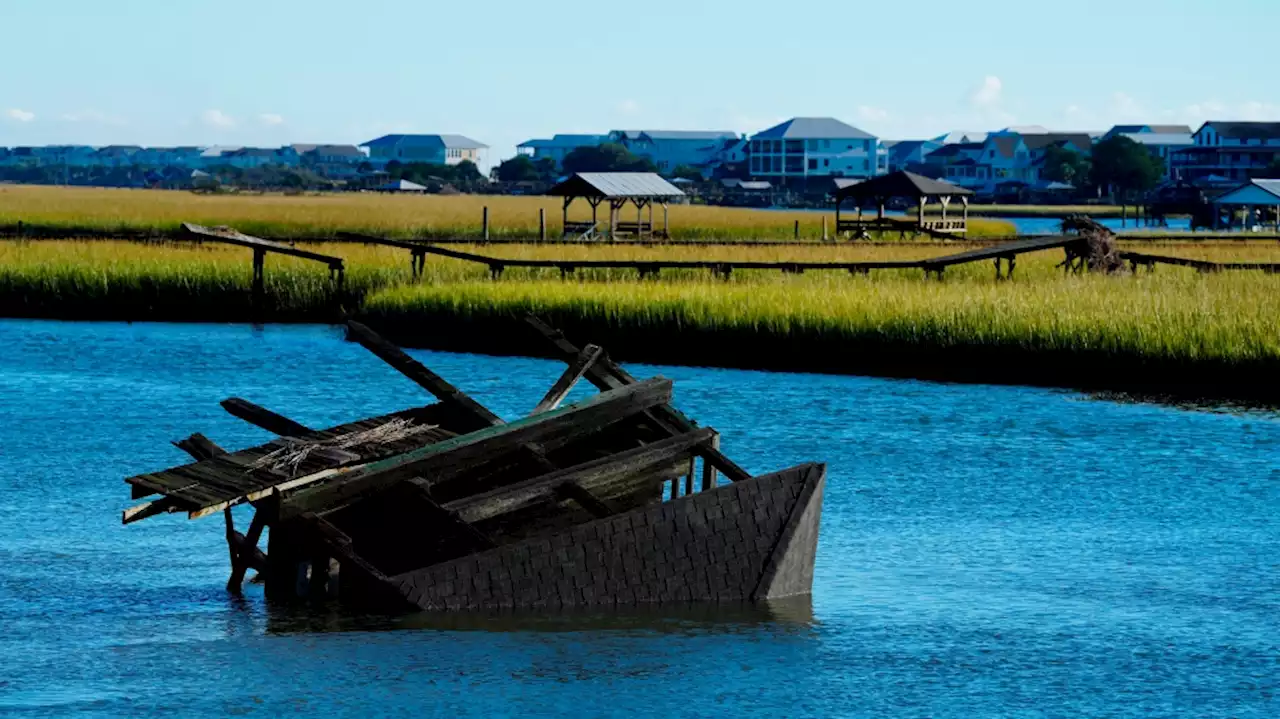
(1254, 111)
(988, 94)
(270, 119)
(872, 114)
(19, 115)
(628, 107)
(217, 118)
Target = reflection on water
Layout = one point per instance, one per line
(985, 551)
(1219, 406)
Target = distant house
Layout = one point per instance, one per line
(908, 154)
(1227, 152)
(117, 156)
(961, 137)
(1008, 158)
(1162, 141)
(804, 147)
(669, 149)
(184, 157)
(558, 146)
(337, 162)
(55, 156)
(431, 149)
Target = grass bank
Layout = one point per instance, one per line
(1173, 332)
(278, 215)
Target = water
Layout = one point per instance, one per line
(985, 552)
(1053, 225)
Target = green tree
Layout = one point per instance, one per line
(607, 157)
(1121, 163)
(518, 169)
(1065, 165)
(687, 173)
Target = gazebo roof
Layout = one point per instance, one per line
(617, 185)
(901, 184)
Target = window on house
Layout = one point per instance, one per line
(826, 144)
(826, 163)
(813, 164)
(811, 145)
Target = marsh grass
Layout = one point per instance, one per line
(323, 215)
(1173, 314)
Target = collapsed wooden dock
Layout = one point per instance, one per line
(616, 499)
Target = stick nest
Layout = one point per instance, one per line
(1100, 251)
(287, 460)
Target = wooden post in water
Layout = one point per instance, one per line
(484, 225)
(709, 470)
(259, 285)
(542, 224)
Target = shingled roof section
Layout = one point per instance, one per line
(616, 185)
(902, 184)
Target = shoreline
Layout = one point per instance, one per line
(503, 335)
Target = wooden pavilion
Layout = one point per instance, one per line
(877, 191)
(641, 189)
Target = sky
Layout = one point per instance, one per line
(273, 72)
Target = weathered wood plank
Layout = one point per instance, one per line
(437, 462)
(234, 237)
(530, 492)
(262, 417)
(572, 374)
(585, 499)
(606, 374)
(416, 371)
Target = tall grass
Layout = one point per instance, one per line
(1220, 326)
(395, 215)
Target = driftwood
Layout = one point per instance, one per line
(1098, 253)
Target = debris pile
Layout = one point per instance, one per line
(617, 499)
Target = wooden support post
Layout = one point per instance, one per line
(651, 232)
(639, 219)
(542, 224)
(965, 200)
(824, 228)
(259, 285)
(666, 229)
(708, 469)
(564, 226)
(484, 226)
(797, 232)
(688, 477)
(244, 550)
(924, 200)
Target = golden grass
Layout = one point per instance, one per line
(1174, 313)
(396, 215)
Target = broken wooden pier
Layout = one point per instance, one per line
(617, 499)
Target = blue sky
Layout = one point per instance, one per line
(268, 72)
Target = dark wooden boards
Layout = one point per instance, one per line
(1142, 258)
(606, 374)
(210, 485)
(437, 462)
(264, 418)
(525, 494)
(572, 374)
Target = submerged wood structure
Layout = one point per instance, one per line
(446, 506)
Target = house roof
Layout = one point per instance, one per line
(1249, 192)
(1006, 145)
(328, 150)
(565, 141)
(1245, 130)
(1159, 138)
(452, 142)
(961, 137)
(901, 184)
(813, 128)
(1080, 141)
(675, 134)
(955, 149)
(618, 185)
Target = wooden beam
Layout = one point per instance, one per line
(264, 418)
(199, 447)
(585, 499)
(605, 374)
(572, 374)
(606, 469)
(443, 460)
(354, 570)
(244, 549)
(416, 371)
(233, 237)
(164, 505)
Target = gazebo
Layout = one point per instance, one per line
(1250, 197)
(902, 184)
(642, 189)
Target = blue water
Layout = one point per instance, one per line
(985, 552)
